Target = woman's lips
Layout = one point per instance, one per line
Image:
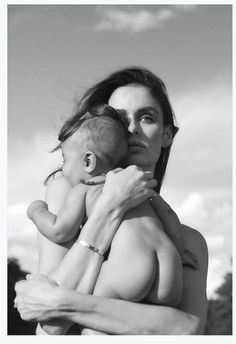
(136, 145)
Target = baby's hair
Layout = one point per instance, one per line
(105, 132)
(106, 137)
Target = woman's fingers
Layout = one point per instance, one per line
(116, 170)
(126, 188)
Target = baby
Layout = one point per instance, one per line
(143, 264)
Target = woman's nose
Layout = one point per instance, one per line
(133, 127)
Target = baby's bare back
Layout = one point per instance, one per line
(143, 264)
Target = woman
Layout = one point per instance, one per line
(142, 97)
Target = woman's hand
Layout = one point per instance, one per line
(126, 188)
(36, 298)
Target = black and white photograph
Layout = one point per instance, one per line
(119, 168)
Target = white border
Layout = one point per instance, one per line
(3, 187)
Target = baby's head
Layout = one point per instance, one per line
(99, 144)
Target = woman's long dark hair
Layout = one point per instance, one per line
(101, 92)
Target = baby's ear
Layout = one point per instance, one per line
(90, 162)
(167, 138)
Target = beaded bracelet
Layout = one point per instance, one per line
(90, 247)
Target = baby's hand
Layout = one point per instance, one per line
(36, 207)
(189, 259)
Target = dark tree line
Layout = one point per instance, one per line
(15, 325)
(219, 317)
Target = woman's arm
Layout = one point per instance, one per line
(100, 228)
(45, 300)
(122, 317)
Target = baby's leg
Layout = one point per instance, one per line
(50, 254)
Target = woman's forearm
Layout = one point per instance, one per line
(122, 317)
(80, 267)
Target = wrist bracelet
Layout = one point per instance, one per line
(90, 247)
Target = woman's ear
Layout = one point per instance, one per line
(167, 137)
(90, 162)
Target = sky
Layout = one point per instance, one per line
(56, 51)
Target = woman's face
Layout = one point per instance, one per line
(147, 134)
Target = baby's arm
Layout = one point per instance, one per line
(172, 227)
(50, 253)
(64, 226)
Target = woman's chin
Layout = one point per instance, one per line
(136, 160)
(141, 161)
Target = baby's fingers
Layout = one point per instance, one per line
(151, 193)
(152, 183)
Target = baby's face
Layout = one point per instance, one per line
(73, 164)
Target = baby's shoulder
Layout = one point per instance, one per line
(58, 183)
(58, 187)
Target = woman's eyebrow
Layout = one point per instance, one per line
(149, 108)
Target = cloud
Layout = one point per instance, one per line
(134, 19)
(29, 162)
(22, 238)
(215, 242)
(193, 206)
(202, 150)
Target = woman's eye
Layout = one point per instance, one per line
(147, 118)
